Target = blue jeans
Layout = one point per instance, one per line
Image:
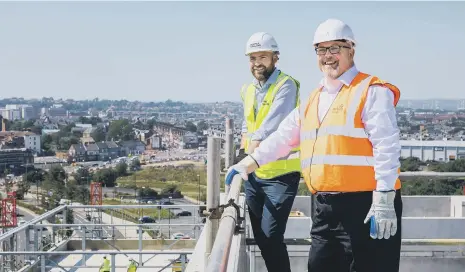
(269, 203)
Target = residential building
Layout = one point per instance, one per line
(113, 150)
(100, 151)
(32, 141)
(28, 112)
(88, 132)
(93, 152)
(78, 152)
(190, 140)
(142, 135)
(87, 140)
(15, 159)
(154, 142)
(20, 139)
(169, 128)
(132, 147)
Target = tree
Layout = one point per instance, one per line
(65, 143)
(54, 183)
(451, 166)
(191, 127)
(47, 143)
(23, 189)
(147, 192)
(106, 176)
(82, 176)
(98, 134)
(150, 123)
(171, 189)
(121, 169)
(69, 220)
(433, 186)
(135, 164)
(93, 120)
(201, 126)
(120, 130)
(410, 164)
(35, 176)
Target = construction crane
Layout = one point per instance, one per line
(9, 219)
(95, 215)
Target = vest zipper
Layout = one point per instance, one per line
(317, 129)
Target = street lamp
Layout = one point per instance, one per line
(198, 197)
(169, 219)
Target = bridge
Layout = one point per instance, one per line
(433, 233)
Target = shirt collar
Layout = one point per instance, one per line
(346, 78)
(272, 79)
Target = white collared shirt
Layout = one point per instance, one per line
(378, 116)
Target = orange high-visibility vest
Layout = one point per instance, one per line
(336, 154)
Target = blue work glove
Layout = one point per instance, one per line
(382, 215)
(243, 168)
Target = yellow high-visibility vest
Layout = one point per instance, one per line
(105, 266)
(132, 267)
(288, 164)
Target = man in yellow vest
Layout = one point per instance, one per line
(271, 190)
(105, 267)
(350, 151)
(132, 266)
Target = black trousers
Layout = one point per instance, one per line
(341, 242)
(270, 203)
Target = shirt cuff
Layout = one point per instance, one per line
(383, 185)
(257, 136)
(259, 159)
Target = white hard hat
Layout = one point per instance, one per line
(331, 30)
(261, 41)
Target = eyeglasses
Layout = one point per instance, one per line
(334, 49)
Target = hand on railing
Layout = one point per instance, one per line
(243, 168)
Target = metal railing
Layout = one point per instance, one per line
(45, 256)
(217, 254)
(219, 257)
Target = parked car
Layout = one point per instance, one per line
(146, 219)
(184, 213)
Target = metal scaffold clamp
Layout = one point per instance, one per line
(216, 213)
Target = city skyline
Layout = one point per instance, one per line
(194, 51)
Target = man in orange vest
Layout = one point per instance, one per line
(350, 151)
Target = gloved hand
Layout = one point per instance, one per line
(382, 215)
(244, 168)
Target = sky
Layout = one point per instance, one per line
(195, 51)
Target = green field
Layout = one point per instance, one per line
(187, 180)
(136, 213)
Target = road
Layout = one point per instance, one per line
(108, 232)
(21, 236)
(80, 216)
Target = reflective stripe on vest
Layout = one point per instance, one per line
(287, 164)
(337, 155)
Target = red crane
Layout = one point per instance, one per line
(96, 193)
(9, 215)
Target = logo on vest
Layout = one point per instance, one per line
(338, 109)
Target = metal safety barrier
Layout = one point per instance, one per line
(229, 225)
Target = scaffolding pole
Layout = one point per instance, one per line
(213, 192)
(230, 152)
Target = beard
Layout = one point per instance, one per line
(262, 73)
(330, 68)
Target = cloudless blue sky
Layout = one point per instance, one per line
(194, 51)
